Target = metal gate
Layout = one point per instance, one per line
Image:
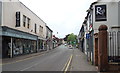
(114, 46)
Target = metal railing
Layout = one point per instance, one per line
(114, 46)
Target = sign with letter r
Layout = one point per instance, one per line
(100, 13)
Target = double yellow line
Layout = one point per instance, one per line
(67, 65)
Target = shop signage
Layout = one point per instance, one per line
(100, 13)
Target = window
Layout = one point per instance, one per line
(28, 22)
(35, 28)
(41, 29)
(17, 19)
(24, 20)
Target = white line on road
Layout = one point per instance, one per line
(29, 67)
(24, 59)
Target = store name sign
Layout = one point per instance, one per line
(100, 13)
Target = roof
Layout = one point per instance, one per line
(49, 28)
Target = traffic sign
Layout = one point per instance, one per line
(87, 36)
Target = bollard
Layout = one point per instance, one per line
(102, 49)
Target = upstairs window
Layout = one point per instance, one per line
(28, 22)
(17, 19)
(35, 28)
(24, 20)
(41, 29)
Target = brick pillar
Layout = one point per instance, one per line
(102, 49)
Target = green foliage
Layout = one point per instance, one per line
(72, 39)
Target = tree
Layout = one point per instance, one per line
(72, 39)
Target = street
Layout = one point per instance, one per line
(60, 35)
(61, 59)
(55, 60)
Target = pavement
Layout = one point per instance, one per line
(80, 63)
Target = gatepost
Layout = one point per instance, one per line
(102, 49)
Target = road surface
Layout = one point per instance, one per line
(55, 60)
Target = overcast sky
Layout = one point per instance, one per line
(62, 16)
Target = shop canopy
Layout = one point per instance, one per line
(6, 31)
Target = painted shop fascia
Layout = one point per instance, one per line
(6, 31)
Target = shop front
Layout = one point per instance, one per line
(15, 43)
(41, 44)
(23, 46)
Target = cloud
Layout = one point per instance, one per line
(63, 16)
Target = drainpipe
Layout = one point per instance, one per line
(37, 45)
(11, 49)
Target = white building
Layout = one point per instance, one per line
(110, 10)
(102, 12)
(105, 12)
(22, 30)
(49, 41)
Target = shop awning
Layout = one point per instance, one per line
(6, 31)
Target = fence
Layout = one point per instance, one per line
(114, 46)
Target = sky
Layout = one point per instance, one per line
(62, 16)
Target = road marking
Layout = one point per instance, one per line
(65, 68)
(23, 59)
(65, 65)
(68, 63)
(34, 56)
(18, 61)
(29, 67)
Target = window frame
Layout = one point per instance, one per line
(35, 28)
(24, 20)
(28, 23)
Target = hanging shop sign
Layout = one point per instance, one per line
(100, 13)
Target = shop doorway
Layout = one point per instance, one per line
(6, 46)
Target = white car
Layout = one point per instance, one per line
(65, 44)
